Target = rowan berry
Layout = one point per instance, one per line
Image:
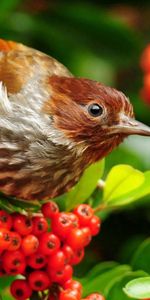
(57, 261)
(74, 220)
(69, 253)
(145, 59)
(95, 296)
(5, 220)
(5, 239)
(84, 213)
(37, 260)
(40, 225)
(13, 262)
(61, 224)
(15, 241)
(73, 285)
(49, 243)
(39, 280)
(30, 244)
(69, 294)
(22, 224)
(94, 225)
(78, 256)
(78, 238)
(50, 209)
(61, 276)
(20, 289)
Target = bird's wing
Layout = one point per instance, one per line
(19, 64)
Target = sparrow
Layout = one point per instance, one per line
(54, 125)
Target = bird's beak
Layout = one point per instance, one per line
(130, 126)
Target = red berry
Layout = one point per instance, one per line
(37, 261)
(74, 220)
(79, 238)
(145, 59)
(30, 244)
(69, 253)
(15, 241)
(61, 276)
(20, 289)
(86, 236)
(39, 280)
(13, 262)
(84, 213)
(5, 220)
(78, 256)
(73, 285)
(61, 224)
(94, 225)
(95, 296)
(49, 243)
(22, 224)
(5, 239)
(57, 261)
(69, 294)
(40, 225)
(50, 209)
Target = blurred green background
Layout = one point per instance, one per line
(101, 40)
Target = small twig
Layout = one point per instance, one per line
(101, 184)
(100, 207)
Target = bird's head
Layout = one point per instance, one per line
(92, 115)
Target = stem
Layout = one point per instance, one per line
(100, 207)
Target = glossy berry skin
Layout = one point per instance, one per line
(39, 280)
(68, 252)
(62, 275)
(5, 220)
(40, 225)
(94, 225)
(50, 209)
(5, 239)
(69, 294)
(78, 256)
(15, 241)
(49, 243)
(74, 220)
(57, 261)
(79, 238)
(22, 224)
(14, 262)
(95, 296)
(84, 213)
(37, 260)
(73, 285)
(61, 224)
(20, 289)
(30, 244)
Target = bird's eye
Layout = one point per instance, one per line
(95, 110)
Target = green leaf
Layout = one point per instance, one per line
(138, 288)
(5, 282)
(141, 258)
(115, 291)
(99, 283)
(98, 269)
(121, 180)
(85, 187)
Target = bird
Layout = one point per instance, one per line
(54, 125)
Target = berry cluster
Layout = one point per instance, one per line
(44, 248)
(145, 65)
